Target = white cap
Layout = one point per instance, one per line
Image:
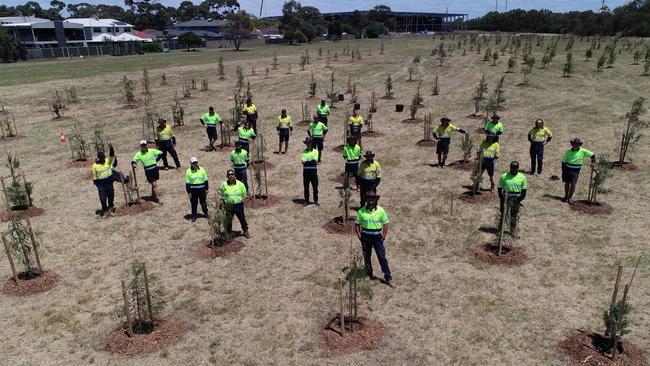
(143, 142)
(193, 159)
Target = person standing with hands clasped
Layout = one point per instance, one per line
(538, 137)
(371, 227)
(197, 186)
(571, 164)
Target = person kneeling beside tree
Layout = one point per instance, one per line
(197, 186)
(514, 185)
(232, 193)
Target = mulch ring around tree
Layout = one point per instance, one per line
(510, 255)
(462, 165)
(80, 164)
(413, 121)
(165, 332)
(585, 349)
(339, 178)
(30, 284)
(60, 118)
(205, 249)
(366, 335)
(427, 143)
(372, 134)
(261, 201)
(338, 148)
(387, 97)
(129, 106)
(626, 167)
(134, 209)
(303, 123)
(338, 226)
(479, 197)
(597, 208)
(312, 98)
(12, 138)
(30, 212)
(474, 116)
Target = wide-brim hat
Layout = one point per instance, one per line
(576, 141)
(369, 154)
(445, 119)
(372, 194)
(161, 120)
(496, 116)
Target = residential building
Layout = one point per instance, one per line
(39, 33)
(204, 28)
(98, 30)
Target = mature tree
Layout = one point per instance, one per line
(82, 10)
(376, 29)
(382, 14)
(313, 24)
(217, 9)
(291, 21)
(10, 48)
(239, 27)
(189, 39)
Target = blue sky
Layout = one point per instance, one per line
(473, 7)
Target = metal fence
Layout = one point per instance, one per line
(112, 49)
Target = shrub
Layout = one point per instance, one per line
(19, 194)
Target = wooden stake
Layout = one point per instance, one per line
(11, 259)
(451, 203)
(15, 128)
(126, 200)
(146, 289)
(619, 321)
(266, 186)
(341, 307)
(135, 184)
(29, 196)
(506, 211)
(252, 179)
(4, 193)
(34, 247)
(614, 296)
(129, 330)
(3, 131)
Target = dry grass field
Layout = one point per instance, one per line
(268, 303)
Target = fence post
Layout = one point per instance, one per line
(11, 259)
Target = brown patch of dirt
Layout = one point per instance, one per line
(626, 167)
(387, 97)
(87, 176)
(29, 285)
(462, 165)
(134, 209)
(312, 98)
(9, 139)
(598, 208)
(585, 349)
(204, 249)
(412, 121)
(30, 212)
(366, 335)
(427, 143)
(510, 255)
(480, 130)
(164, 333)
(261, 201)
(473, 116)
(372, 134)
(129, 106)
(479, 197)
(225, 148)
(303, 123)
(80, 164)
(269, 165)
(338, 148)
(339, 178)
(338, 226)
(60, 118)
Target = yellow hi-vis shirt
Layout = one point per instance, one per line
(102, 171)
(285, 123)
(148, 158)
(489, 150)
(250, 109)
(573, 159)
(355, 121)
(309, 159)
(245, 135)
(239, 159)
(210, 120)
(513, 184)
(371, 222)
(323, 110)
(316, 129)
(196, 179)
(165, 134)
(232, 193)
(540, 134)
(369, 171)
(443, 132)
(352, 154)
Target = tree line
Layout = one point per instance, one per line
(631, 19)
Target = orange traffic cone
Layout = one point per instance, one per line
(62, 138)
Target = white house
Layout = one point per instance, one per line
(97, 30)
